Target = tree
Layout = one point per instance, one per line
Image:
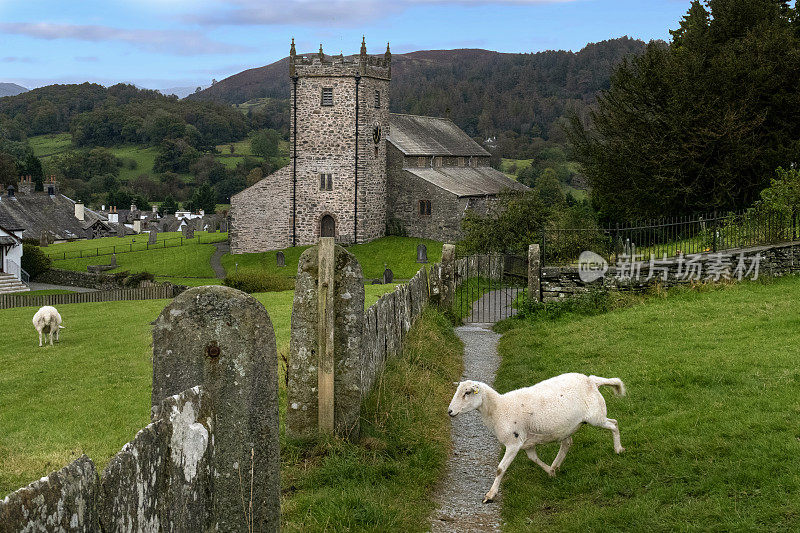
(169, 205)
(175, 155)
(205, 198)
(699, 125)
(265, 143)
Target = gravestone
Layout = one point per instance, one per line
(325, 347)
(388, 276)
(534, 273)
(447, 280)
(120, 228)
(222, 340)
(280, 259)
(152, 238)
(422, 253)
(43, 239)
(188, 230)
(223, 225)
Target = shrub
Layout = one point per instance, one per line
(256, 281)
(34, 260)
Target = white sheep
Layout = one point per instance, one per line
(47, 320)
(549, 411)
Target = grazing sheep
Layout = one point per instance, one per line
(47, 320)
(549, 411)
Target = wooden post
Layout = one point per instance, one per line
(325, 308)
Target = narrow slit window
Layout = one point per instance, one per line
(327, 96)
(326, 182)
(377, 99)
(424, 207)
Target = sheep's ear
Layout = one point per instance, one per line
(475, 389)
(456, 383)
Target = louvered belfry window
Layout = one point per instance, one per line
(327, 96)
(424, 207)
(326, 182)
(377, 99)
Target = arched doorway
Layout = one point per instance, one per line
(327, 226)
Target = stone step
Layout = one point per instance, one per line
(10, 284)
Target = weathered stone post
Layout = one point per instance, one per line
(222, 339)
(153, 236)
(325, 347)
(534, 273)
(448, 279)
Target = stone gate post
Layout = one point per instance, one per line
(448, 279)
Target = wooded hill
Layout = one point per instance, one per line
(523, 99)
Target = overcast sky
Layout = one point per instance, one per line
(167, 43)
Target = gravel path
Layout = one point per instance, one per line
(47, 286)
(494, 306)
(216, 263)
(473, 463)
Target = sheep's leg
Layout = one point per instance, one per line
(511, 452)
(613, 426)
(533, 456)
(562, 452)
(51, 337)
(40, 339)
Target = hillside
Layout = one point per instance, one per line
(11, 89)
(517, 97)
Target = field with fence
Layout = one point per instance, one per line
(671, 237)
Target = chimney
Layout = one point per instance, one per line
(103, 207)
(137, 226)
(51, 186)
(11, 191)
(79, 211)
(112, 214)
(133, 208)
(155, 209)
(25, 185)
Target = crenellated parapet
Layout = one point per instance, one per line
(320, 64)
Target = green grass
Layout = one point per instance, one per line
(49, 145)
(180, 263)
(90, 393)
(399, 253)
(145, 157)
(384, 480)
(710, 422)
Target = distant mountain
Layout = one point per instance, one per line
(517, 97)
(181, 92)
(11, 89)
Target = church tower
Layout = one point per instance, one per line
(339, 124)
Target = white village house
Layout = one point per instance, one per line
(11, 273)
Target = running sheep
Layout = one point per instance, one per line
(552, 410)
(47, 320)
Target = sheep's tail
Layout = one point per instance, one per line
(616, 383)
(62, 327)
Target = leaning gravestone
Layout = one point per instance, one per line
(153, 236)
(325, 347)
(422, 253)
(222, 340)
(280, 259)
(43, 239)
(388, 276)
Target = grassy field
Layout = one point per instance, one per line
(399, 253)
(182, 264)
(91, 392)
(710, 422)
(49, 145)
(512, 168)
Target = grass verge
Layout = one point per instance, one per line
(710, 421)
(384, 480)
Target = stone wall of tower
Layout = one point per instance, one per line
(326, 144)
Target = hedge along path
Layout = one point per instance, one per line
(472, 465)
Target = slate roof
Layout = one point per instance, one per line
(37, 212)
(467, 181)
(8, 223)
(430, 136)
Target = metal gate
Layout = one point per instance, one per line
(490, 287)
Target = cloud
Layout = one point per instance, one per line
(178, 42)
(16, 59)
(326, 12)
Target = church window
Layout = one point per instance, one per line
(437, 161)
(422, 162)
(424, 207)
(377, 99)
(327, 96)
(461, 161)
(326, 182)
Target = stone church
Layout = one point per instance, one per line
(355, 168)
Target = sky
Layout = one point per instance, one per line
(162, 44)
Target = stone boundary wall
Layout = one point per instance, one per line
(154, 292)
(558, 283)
(388, 320)
(206, 447)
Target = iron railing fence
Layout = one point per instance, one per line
(670, 237)
(136, 246)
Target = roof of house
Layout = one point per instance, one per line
(467, 181)
(9, 224)
(431, 136)
(39, 211)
